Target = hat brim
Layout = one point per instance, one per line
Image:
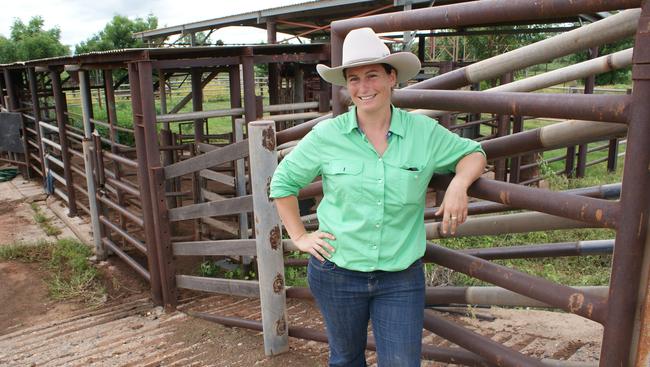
(406, 64)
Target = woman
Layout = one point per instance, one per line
(375, 161)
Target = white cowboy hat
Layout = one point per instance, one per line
(363, 47)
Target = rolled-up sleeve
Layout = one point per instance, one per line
(298, 168)
(449, 148)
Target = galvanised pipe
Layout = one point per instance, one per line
(576, 106)
(89, 166)
(36, 110)
(560, 249)
(505, 223)
(492, 296)
(623, 342)
(553, 136)
(603, 213)
(614, 27)
(487, 348)
(609, 191)
(557, 295)
(447, 355)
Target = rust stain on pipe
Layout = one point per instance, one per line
(575, 302)
(268, 138)
(281, 326)
(504, 197)
(278, 283)
(599, 215)
(274, 237)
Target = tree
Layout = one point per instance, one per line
(118, 34)
(30, 41)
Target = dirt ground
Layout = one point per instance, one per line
(128, 330)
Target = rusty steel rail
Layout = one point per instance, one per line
(601, 212)
(575, 106)
(560, 296)
(447, 355)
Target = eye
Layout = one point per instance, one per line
(353, 79)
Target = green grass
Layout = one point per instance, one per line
(44, 221)
(70, 274)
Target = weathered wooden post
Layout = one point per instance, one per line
(268, 237)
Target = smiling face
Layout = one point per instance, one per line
(370, 87)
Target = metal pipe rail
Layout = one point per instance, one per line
(127, 259)
(575, 106)
(602, 213)
(560, 296)
(447, 355)
(124, 234)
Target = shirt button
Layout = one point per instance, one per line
(379, 158)
(380, 180)
(379, 202)
(377, 225)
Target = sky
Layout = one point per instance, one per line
(80, 19)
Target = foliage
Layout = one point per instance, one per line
(44, 221)
(117, 34)
(71, 276)
(31, 41)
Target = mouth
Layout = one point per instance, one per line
(368, 97)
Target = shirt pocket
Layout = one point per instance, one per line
(343, 178)
(410, 179)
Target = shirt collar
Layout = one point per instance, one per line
(396, 123)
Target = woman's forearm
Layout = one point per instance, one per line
(469, 169)
(290, 215)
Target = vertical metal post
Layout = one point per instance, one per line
(421, 47)
(445, 67)
(111, 113)
(407, 37)
(199, 126)
(36, 111)
(197, 104)
(569, 161)
(249, 85)
(298, 88)
(86, 107)
(323, 96)
(626, 341)
(503, 129)
(159, 213)
(240, 187)
(274, 69)
(268, 238)
(143, 180)
(336, 45)
(515, 162)
(234, 82)
(590, 83)
(61, 108)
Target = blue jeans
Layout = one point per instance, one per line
(393, 301)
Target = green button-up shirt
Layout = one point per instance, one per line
(372, 204)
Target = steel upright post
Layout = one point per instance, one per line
(36, 111)
(274, 69)
(249, 85)
(503, 129)
(268, 238)
(626, 341)
(336, 45)
(234, 82)
(156, 188)
(61, 108)
(93, 205)
(143, 180)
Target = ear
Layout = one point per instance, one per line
(393, 78)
